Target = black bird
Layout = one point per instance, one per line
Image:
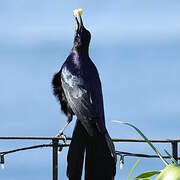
(78, 88)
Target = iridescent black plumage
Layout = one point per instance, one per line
(78, 88)
(77, 85)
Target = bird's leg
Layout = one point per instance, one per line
(61, 135)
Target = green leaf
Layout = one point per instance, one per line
(146, 139)
(147, 174)
(136, 163)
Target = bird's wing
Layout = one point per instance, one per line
(59, 93)
(85, 101)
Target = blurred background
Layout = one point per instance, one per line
(136, 47)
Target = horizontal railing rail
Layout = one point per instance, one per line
(56, 145)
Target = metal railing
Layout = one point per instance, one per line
(55, 145)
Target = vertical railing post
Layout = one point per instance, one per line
(55, 159)
(175, 150)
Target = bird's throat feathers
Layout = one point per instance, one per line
(75, 56)
(78, 57)
(77, 61)
(80, 50)
(81, 41)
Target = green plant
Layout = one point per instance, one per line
(170, 172)
(136, 163)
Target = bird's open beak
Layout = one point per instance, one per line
(79, 24)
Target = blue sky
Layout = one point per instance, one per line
(136, 47)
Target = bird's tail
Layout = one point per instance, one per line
(111, 146)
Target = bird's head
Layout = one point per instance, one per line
(82, 35)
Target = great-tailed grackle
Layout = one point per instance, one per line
(78, 88)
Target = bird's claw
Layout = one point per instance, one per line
(64, 138)
(61, 135)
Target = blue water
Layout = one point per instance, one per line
(136, 48)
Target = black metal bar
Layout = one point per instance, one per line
(142, 140)
(25, 148)
(32, 147)
(175, 150)
(139, 155)
(55, 159)
(32, 138)
(68, 138)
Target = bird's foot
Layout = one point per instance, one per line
(61, 135)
